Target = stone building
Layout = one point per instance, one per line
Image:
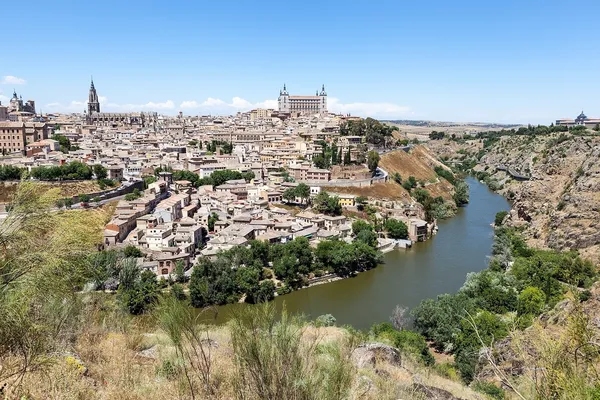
(95, 117)
(16, 104)
(14, 136)
(581, 119)
(316, 104)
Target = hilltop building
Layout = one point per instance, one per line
(316, 104)
(581, 119)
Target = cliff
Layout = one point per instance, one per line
(552, 180)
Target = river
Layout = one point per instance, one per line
(430, 268)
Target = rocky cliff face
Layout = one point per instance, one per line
(559, 205)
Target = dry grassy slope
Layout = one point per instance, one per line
(419, 162)
(117, 365)
(67, 189)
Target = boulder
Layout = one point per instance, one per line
(434, 393)
(368, 355)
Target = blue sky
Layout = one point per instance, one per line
(509, 61)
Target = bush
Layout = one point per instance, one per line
(500, 217)
(177, 292)
(488, 388)
(531, 301)
(447, 370)
(325, 320)
(132, 251)
(585, 295)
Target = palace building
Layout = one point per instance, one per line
(581, 119)
(316, 104)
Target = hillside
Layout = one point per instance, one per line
(559, 205)
(418, 162)
(67, 189)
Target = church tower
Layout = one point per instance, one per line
(93, 102)
(283, 100)
(323, 100)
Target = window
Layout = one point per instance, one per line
(164, 271)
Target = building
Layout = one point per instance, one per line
(316, 104)
(93, 101)
(16, 105)
(15, 136)
(3, 112)
(95, 117)
(581, 119)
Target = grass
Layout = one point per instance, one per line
(256, 356)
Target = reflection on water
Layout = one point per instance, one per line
(407, 276)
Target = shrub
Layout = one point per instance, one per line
(325, 320)
(500, 217)
(488, 388)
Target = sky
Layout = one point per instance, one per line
(486, 61)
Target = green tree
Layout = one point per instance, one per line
(142, 295)
(347, 157)
(359, 225)
(289, 194)
(320, 161)
(461, 193)
(303, 191)
(397, 178)
(211, 222)
(531, 301)
(132, 251)
(368, 237)
(100, 171)
(83, 198)
(372, 161)
(396, 229)
(360, 202)
(500, 217)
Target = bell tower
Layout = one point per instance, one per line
(93, 102)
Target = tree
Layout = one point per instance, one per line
(360, 202)
(372, 161)
(180, 272)
(435, 135)
(359, 225)
(597, 128)
(334, 154)
(397, 178)
(303, 191)
(396, 229)
(320, 162)
(211, 222)
(327, 204)
(289, 194)
(499, 219)
(132, 251)
(368, 237)
(100, 171)
(84, 198)
(531, 301)
(347, 157)
(461, 193)
(399, 319)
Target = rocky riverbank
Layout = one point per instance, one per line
(559, 205)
